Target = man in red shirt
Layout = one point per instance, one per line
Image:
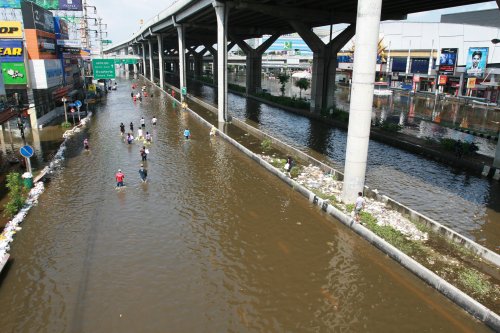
(119, 178)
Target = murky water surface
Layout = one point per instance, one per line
(468, 204)
(212, 243)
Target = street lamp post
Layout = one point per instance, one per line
(64, 100)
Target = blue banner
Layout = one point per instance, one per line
(11, 50)
(10, 3)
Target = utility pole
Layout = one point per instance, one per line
(100, 24)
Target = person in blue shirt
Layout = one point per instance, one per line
(187, 133)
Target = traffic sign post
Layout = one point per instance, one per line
(78, 104)
(73, 113)
(27, 152)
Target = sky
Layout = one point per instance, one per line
(123, 20)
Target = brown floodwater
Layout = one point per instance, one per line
(212, 243)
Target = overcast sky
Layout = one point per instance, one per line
(124, 19)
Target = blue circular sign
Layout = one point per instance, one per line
(27, 151)
(78, 103)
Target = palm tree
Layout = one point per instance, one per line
(302, 84)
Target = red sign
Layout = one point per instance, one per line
(443, 79)
(72, 109)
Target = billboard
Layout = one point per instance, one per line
(46, 4)
(14, 73)
(11, 29)
(61, 28)
(11, 50)
(448, 60)
(35, 17)
(476, 61)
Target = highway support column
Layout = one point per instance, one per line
(151, 66)
(221, 12)
(182, 58)
(324, 64)
(254, 61)
(160, 59)
(143, 59)
(360, 110)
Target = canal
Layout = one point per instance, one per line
(211, 243)
(468, 204)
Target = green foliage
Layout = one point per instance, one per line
(266, 144)
(206, 79)
(236, 87)
(294, 172)
(302, 84)
(283, 78)
(475, 282)
(286, 101)
(457, 145)
(390, 127)
(16, 194)
(65, 124)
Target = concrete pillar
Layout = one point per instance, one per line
(144, 59)
(254, 62)
(221, 12)
(213, 53)
(182, 58)
(33, 118)
(360, 110)
(151, 66)
(160, 59)
(198, 63)
(324, 64)
(2, 139)
(496, 161)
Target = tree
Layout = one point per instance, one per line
(283, 80)
(302, 84)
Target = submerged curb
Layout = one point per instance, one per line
(13, 226)
(473, 307)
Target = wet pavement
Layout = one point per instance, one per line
(211, 243)
(468, 204)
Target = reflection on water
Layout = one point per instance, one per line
(211, 243)
(455, 199)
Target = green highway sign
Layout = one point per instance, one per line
(126, 61)
(103, 68)
(287, 45)
(107, 41)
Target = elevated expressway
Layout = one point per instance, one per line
(216, 26)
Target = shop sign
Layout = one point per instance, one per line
(14, 73)
(11, 50)
(416, 78)
(471, 82)
(69, 43)
(443, 79)
(11, 29)
(75, 5)
(61, 28)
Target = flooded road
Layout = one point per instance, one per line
(212, 243)
(468, 204)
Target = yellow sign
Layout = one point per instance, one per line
(91, 87)
(11, 29)
(471, 83)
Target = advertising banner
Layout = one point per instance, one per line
(74, 5)
(11, 29)
(11, 50)
(471, 82)
(476, 61)
(45, 73)
(126, 61)
(10, 3)
(448, 60)
(61, 28)
(103, 68)
(14, 73)
(70, 42)
(35, 17)
(443, 79)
